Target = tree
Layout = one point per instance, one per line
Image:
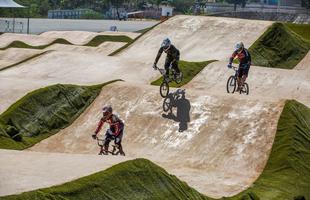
(44, 7)
(306, 3)
(183, 6)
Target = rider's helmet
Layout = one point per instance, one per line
(107, 112)
(166, 44)
(239, 47)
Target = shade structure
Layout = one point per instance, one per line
(9, 4)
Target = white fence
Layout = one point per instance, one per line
(216, 7)
(11, 26)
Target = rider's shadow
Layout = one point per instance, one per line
(177, 100)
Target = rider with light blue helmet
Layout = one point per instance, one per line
(173, 56)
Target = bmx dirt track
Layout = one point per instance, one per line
(217, 159)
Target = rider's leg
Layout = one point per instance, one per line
(118, 142)
(175, 66)
(107, 141)
(167, 65)
(239, 78)
(245, 74)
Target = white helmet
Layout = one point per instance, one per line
(166, 43)
(239, 46)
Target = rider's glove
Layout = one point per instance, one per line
(94, 136)
(154, 66)
(229, 65)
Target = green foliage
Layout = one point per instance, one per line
(43, 113)
(183, 6)
(189, 70)
(287, 173)
(92, 15)
(135, 179)
(96, 41)
(281, 46)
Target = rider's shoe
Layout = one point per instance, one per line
(103, 152)
(238, 89)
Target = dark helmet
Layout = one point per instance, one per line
(107, 111)
(166, 44)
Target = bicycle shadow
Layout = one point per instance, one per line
(177, 100)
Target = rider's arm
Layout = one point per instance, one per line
(232, 57)
(99, 126)
(160, 51)
(117, 128)
(249, 59)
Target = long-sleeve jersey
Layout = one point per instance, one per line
(244, 57)
(172, 53)
(116, 125)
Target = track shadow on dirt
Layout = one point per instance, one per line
(182, 106)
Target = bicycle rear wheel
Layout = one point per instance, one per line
(231, 84)
(164, 89)
(245, 89)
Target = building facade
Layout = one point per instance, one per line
(282, 2)
(66, 14)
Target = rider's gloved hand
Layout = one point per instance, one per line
(94, 136)
(154, 66)
(229, 65)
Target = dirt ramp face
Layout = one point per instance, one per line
(219, 144)
(23, 171)
(198, 38)
(264, 83)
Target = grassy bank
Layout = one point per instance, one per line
(189, 70)
(287, 173)
(281, 46)
(42, 113)
(135, 179)
(96, 41)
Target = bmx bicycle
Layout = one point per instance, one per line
(173, 76)
(232, 84)
(115, 150)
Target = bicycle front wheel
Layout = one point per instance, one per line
(231, 84)
(164, 89)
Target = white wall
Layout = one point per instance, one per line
(165, 10)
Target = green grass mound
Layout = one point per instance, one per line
(303, 30)
(281, 46)
(99, 39)
(96, 41)
(43, 113)
(135, 179)
(287, 173)
(189, 70)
